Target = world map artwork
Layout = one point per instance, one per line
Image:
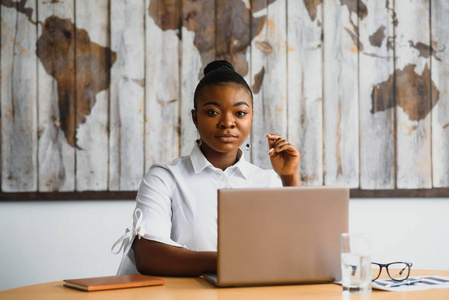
(56, 49)
(81, 67)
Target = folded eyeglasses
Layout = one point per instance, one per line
(397, 271)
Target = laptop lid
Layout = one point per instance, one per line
(280, 235)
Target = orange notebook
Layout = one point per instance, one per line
(112, 282)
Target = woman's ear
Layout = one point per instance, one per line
(194, 118)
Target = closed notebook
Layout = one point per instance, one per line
(112, 282)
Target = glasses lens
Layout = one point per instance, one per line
(398, 271)
(375, 271)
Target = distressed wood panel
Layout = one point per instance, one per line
(378, 119)
(413, 89)
(162, 82)
(376, 73)
(56, 95)
(269, 66)
(440, 101)
(198, 49)
(92, 94)
(249, 74)
(126, 135)
(304, 72)
(341, 126)
(18, 97)
(259, 49)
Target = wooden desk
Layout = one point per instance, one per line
(197, 288)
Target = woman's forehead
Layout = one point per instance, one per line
(229, 92)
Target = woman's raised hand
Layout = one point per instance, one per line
(285, 159)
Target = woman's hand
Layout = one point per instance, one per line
(284, 159)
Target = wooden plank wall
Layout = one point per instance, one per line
(19, 99)
(56, 157)
(304, 86)
(341, 116)
(440, 112)
(127, 100)
(94, 92)
(377, 143)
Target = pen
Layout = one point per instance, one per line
(406, 282)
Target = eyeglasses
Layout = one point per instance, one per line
(398, 271)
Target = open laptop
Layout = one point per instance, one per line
(287, 235)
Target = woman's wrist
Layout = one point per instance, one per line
(290, 180)
(210, 262)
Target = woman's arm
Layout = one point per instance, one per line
(154, 258)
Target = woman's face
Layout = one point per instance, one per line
(223, 117)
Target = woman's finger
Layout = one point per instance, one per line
(286, 148)
(276, 144)
(280, 144)
(274, 140)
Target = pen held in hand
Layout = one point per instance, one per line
(405, 282)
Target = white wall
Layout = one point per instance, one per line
(414, 230)
(53, 240)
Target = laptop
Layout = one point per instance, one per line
(270, 236)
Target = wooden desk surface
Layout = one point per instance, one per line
(197, 288)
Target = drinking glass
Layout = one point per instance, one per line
(356, 262)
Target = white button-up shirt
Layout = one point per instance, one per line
(177, 202)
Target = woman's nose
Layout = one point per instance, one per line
(227, 121)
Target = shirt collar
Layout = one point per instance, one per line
(241, 165)
(199, 162)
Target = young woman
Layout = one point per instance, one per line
(175, 220)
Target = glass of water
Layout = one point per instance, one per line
(356, 262)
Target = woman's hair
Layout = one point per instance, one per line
(220, 72)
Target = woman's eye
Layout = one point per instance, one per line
(212, 112)
(241, 113)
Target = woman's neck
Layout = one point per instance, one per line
(221, 160)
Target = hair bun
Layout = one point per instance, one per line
(218, 64)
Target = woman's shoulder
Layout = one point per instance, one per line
(177, 164)
(164, 174)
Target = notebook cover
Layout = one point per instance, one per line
(112, 282)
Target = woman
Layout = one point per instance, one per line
(176, 210)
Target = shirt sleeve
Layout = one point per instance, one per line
(154, 199)
(275, 179)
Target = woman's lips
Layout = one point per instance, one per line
(226, 138)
